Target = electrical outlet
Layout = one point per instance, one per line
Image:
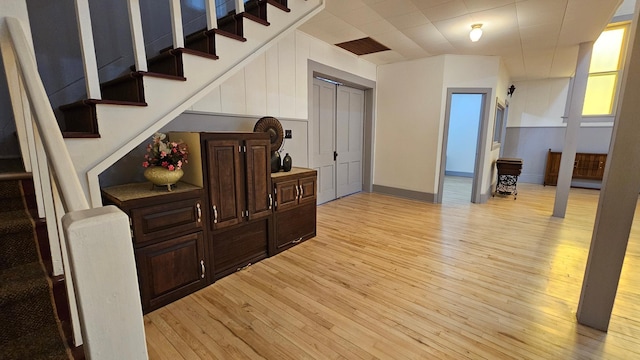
(287, 134)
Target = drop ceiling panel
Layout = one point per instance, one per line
(337, 7)
(539, 37)
(409, 20)
(481, 5)
(564, 62)
(585, 23)
(386, 57)
(448, 10)
(391, 8)
(429, 38)
(376, 27)
(541, 12)
(361, 16)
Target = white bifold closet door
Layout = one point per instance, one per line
(338, 131)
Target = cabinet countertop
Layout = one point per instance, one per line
(294, 171)
(133, 191)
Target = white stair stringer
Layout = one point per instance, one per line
(122, 128)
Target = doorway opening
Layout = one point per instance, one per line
(463, 145)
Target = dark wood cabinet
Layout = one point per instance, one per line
(586, 166)
(238, 177)
(295, 208)
(168, 239)
(240, 200)
(236, 214)
(171, 269)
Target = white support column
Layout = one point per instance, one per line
(135, 21)
(176, 24)
(212, 16)
(618, 199)
(239, 6)
(104, 273)
(88, 49)
(573, 127)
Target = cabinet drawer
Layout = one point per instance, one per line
(170, 269)
(154, 222)
(235, 248)
(294, 225)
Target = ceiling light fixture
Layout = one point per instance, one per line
(476, 32)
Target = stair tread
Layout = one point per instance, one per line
(278, 5)
(196, 53)
(44, 344)
(15, 221)
(229, 35)
(255, 18)
(20, 282)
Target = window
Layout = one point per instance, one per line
(606, 66)
(499, 124)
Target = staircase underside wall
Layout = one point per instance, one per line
(122, 129)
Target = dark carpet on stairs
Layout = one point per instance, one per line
(29, 327)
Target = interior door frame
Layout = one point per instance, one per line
(481, 144)
(369, 86)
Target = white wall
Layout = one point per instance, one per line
(276, 84)
(410, 118)
(409, 114)
(538, 103)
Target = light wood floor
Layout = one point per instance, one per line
(390, 278)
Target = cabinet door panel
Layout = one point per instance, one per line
(236, 247)
(258, 171)
(170, 269)
(286, 194)
(295, 225)
(553, 167)
(152, 222)
(308, 187)
(226, 190)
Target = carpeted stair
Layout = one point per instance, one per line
(30, 329)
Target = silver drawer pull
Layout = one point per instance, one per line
(296, 241)
(202, 269)
(199, 212)
(301, 191)
(243, 267)
(270, 201)
(215, 215)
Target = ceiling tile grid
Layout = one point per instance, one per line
(535, 38)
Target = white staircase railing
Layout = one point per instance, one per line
(107, 295)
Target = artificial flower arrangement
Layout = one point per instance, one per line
(170, 155)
